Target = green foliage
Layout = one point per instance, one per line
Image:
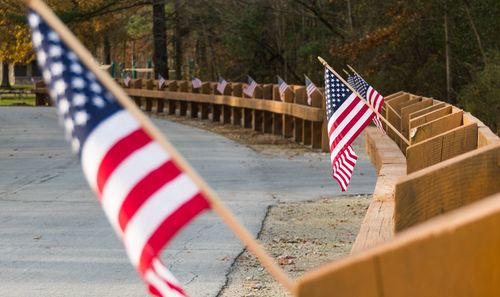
(482, 95)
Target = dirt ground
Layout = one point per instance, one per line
(300, 235)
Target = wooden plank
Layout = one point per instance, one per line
(392, 102)
(441, 147)
(391, 96)
(446, 186)
(485, 135)
(277, 117)
(267, 93)
(407, 110)
(288, 119)
(401, 105)
(298, 125)
(430, 116)
(436, 127)
(453, 255)
(437, 105)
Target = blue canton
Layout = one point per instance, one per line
(336, 92)
(82, 101)
(360, 85)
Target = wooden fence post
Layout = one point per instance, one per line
(277, 118)
(317, 127)
(267, 116)
(137, 84)
(160, 102)
(256, 119)
(206, 88)
(182, 105)
(287, 119)
(172, 104)
(236, 112)
(192, 107)
(226, 109)
(300, 98)
(149, 102)
(216, 108)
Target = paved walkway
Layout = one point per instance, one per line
(56, 241)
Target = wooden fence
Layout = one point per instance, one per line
(432, 228)
(265, 112)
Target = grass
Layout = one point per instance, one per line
(12, 99)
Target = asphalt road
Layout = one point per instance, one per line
(56, 241)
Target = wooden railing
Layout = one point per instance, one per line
(265, 112)
(432, 226)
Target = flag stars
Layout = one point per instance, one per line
(98, 101)
(34, 20)
(75, 145)
(63, 105)
(78, 83)
(55, 51)
(54, 37)
(76, 68)
(69, 125)
(37, 38)
(57, 69)
(60, 87)
(81, 118)
(95, 87)
(41, 58)
(79, 99)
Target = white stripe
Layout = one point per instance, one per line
(102, 138)
(340, 180)
(131, 171)
(340, 110)
(154, 211)
(345, 122)
(160, 285)
(347, 138)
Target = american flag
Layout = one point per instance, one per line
(282, 87)
(221, 85)
(145, 195)
(196, 83)
(347, 116)
(126, 80)
(370, 94)
(161, 81)
(250, 89)
(310, 89)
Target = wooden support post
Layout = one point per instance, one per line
(236, 112)
(298, 123)
(206, 88)
(287, 119)
(277, 118)
(318, 127)
(216, 109)
(137, 84)
(192, 107)
(182, 105)
(307, 132)
(257, 114)
(226, 109)
(172, 104)
(267, 116)
(148, 106)
(160, 102)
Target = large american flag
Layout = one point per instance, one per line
(145, 195)
(221, 85)
(347, 116)
(310, 89)
(370, 94)
(282, 87)
(250, 88)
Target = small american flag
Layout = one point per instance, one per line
(370, 94)
(347, 116)
(282, 87)
(310, 89)
(161, 81)
(126, 80)
(196, 83)
(145, 195)
(221, 85)
(250, 89)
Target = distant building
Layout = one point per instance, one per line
(22, 73)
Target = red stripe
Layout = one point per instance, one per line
(356, 133)
(172, 286)
(343, 115)
(349, 127)
(118, 152)
(169, 227)
(144, 189)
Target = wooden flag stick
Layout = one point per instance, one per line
(367, 104)
(388, 105)
(215, 203)
(345, 71)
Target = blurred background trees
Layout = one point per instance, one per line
(444, 49)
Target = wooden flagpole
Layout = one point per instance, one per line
(367, 104)
(388, 105)
(216, 204)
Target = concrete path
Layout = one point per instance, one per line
(56, 241)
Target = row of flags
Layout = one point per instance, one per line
(143, 190)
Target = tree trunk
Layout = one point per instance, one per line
(178, 41)
(447, 55)
(106, 50)
(160, 39)
(474, 29)
(5, 76)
